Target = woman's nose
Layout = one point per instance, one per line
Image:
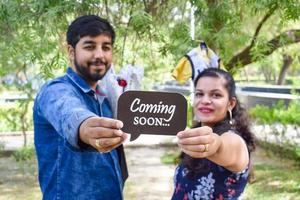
(206, 100)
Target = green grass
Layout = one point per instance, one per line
(288, 151)
(275, 178)
(18, 180)
(169, 158)
(274, 182)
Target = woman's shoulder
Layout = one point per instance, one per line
(233, 134)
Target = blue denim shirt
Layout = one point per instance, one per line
(67, 170)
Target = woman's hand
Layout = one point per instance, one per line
(199, 142)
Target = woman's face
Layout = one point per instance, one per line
(211, 100)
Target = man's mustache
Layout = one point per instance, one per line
(97, 62)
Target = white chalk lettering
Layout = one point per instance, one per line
(158, 121)
(150, 121)
(132, 104)
(160, 108)
(135, 120)
(171, 111)
(143, 121)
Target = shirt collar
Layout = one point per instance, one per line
(79, 81)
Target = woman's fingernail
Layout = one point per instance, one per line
(179, 135)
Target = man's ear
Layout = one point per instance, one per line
(71, 53)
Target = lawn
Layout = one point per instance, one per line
(275, 179)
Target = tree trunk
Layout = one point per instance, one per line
(23, 122)
(287, 61)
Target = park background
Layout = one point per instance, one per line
(257, 41)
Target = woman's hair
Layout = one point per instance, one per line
(240, 118)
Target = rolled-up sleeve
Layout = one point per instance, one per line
(64, 109)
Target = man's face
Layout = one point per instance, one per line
(92, 57)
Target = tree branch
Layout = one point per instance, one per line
(264, 19)
(125, 36)
(154, 7)
(244, 58)
(106, 7)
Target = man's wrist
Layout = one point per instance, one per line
(82, 144)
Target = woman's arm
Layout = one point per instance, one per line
(228, 150)
(232, 152)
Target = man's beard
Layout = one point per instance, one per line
(85, 71)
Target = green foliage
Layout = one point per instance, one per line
(288, 151)
(259, 49)
(15, 117)
(141, 21)
(190, 115)
(278, 113)
(30, 27)
(169, 158)
(154, 34)
(293, 81)
(263, 114)
(280, 123)
(180, 40)
(2, 145)
(24, 154)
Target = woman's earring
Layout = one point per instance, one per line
(230, 117)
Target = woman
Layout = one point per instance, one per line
(215, 158)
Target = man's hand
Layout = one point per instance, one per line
(102, 133)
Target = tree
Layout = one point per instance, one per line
(154, 33)
(149, 32)
(287, 61)
(247, 31)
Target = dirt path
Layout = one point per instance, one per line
(149, 178)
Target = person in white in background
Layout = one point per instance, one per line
(113, 85)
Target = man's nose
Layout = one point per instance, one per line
(98, 53)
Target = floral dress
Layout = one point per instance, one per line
(217, 183)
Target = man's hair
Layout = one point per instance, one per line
(88, 25)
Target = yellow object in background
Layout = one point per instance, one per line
(194, 62)
(183, 70)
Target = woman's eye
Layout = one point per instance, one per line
(198, 94)
(217, 95)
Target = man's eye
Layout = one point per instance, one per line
(89, 47)
(106, 48)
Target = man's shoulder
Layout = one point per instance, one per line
(56, 85)
(62, 80)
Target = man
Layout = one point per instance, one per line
(78, 145)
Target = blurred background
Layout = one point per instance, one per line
(257, 41)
